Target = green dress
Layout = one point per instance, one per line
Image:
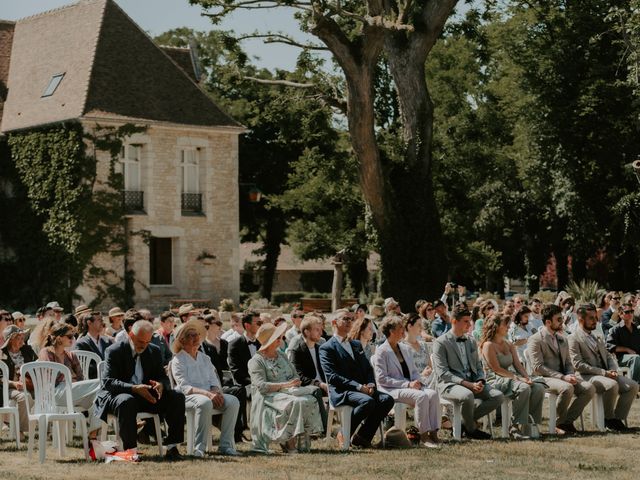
(279, 416)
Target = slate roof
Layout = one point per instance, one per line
(111, 68)
(182, 56)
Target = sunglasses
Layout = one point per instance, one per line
(615, 298)
(627, 312)
(297, 316)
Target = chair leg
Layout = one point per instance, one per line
(32, 436)
(156, 421)
(457, 421)
(82, 426)
(190, 431)
(597, 412)
(400, 416)
(329, 423)
(552, 413)
(505, 410)
(61, 431)
(42, 437)
(345, 426)
(14, 425)
(104, 430)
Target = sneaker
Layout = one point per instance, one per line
(516, 434)
(429, 444)
(568, 428)
(477, 434)
(198, 453)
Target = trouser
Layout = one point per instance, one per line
(127, 406)
(426, 405)
(583, 392)
(203, 407)
(20, 399)
(527, 401)
(319, 396)
(617, 395)
(489, 398)
(368, 411)
(633, 363)
(240, 393)
(83, 393)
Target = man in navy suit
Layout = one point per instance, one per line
(92, 325)
(135, 381)
(352, 382)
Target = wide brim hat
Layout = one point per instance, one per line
(116, 312)
(269, 333)
(11, 331)
(185, 309)
(81, 309)
(197, 325)
(389, 301)
(54, 306)
(396, 438)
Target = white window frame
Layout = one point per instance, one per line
(132, 159)
(194, 167)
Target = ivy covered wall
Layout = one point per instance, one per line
(56, 215)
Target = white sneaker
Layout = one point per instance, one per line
(198, 453)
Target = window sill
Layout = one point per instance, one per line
(186, 213)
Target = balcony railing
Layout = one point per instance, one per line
(191, 203)
(133, 201)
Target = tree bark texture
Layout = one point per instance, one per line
(274, 236)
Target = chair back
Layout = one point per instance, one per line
(85, 359)
(172, 381)
(102, 366)
(4, 374)
(43, 376)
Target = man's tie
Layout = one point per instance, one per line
(254, 343)
(461, 339)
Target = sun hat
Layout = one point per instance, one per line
(269, 333)
(10, 332)
(54, 306)
(80, 309)
(181, 331)
(115, 312)
(389, 301)
(185, 309)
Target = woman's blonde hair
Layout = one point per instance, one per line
(182, 331)
(490, 327)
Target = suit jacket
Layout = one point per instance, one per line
(544, 358)
(119, 369)
(88, 345)
(439, 327)
(238, 358)
(300, 356)
(343, 373)
(29, 356)
(588, 360)
(388, 371)
(218, 358)
(447, 361)
(605, 320)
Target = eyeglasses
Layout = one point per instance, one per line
(615, 298)
(627, 312)
(297, 316)
(70, 335)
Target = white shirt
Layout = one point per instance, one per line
(138, 373)
(122, 336)
(312, 351)
(462, 348)
(189, 372)
(346, 344)
(252, 348)
(230, 335)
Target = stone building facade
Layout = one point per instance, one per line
(180, 173)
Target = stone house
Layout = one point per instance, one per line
(89, 62)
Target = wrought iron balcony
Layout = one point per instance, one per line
(191, 203)
(133, 201)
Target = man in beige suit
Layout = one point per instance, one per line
(460, 374)
(597, 366)
(548, 355)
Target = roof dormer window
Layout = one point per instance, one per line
(53, 84)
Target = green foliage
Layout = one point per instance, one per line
(77, 215)
(587, 291)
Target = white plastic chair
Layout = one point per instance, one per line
(505, 412)
(113, 421)
(7, 409)
(85, 359)
(344, 414)
(45, 410)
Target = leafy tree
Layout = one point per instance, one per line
(396, 180)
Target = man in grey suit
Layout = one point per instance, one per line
(597, 366)
(460, 374)
(548, 356)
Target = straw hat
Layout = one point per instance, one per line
(185, 309)
(396, 438)
(80, 309)
(181, 331)
(115, 312)
(269, 333)
(10, 332)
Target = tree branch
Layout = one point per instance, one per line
(286, 83)
(280, 38)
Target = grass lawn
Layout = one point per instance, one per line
(587, 456)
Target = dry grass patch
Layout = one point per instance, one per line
(589, 456)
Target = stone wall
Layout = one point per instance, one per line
(215, 232)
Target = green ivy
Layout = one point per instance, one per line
(79, 214)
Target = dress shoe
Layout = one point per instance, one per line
(173, 455)
(477, 434)
(616, 425)
(568, 428)
(358, 441)
(143, 438)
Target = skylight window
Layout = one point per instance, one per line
(53, 84)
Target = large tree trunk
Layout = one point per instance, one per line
(275, 235)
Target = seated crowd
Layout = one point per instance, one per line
(441, 355)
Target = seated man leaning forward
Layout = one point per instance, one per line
(351, 381)
(548, 355)
(135, 381)
(591, 359)
(460, 374)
